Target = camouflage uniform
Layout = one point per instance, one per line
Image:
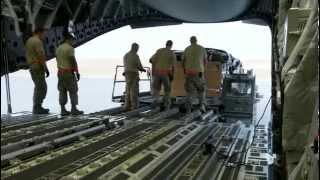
(132, 65)
(194, 58)
(67, 81)
(35, 56)
(162, 62)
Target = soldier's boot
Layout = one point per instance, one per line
(133, 108)
(202, 108)
(167, 105)
(126, 105)
(75, 111)
(188, 108)
(64, 112)
(38, 109)
(155, 103)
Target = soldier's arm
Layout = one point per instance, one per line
(74, 64)
(41, 56)
(183, 60)
(73, 61)
(174, 61)
(205, 63)
(75, 69)
(124, 60)
(124, 65)
(140, 67)
(205, 59)
(153, 58)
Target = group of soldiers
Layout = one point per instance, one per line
(163, 62)
(194, 61)
(68, 74)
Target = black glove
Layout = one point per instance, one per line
(77, 76)
(148, 73)
(143, 70)
(170, 77)
(47, 73)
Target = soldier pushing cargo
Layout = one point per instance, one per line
(68, 75)
(36, 59)
(194, 61)
(132, 66)
(163, 62)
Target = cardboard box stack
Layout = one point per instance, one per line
(213, 77)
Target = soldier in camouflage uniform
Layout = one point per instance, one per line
(132, 66)
(68, 75)
(36, 59)
(163, 62)
(194, 62)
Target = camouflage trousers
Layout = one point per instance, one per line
(67, 83)
(158, 81)
(40, 85)
(195, 85)
(132, 90)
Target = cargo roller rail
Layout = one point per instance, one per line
(40, 127)
(142, 144)
(16, 171)
(38, 144)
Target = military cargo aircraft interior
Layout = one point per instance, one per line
(187, 90)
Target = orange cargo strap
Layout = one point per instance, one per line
(37, 62)
(191, 72)
(162, 71)
(67, 70)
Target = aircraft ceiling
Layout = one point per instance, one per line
(92, 18)
(201, 10)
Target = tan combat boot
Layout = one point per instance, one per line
(38, 109)
(75, 111)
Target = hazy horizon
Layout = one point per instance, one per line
(106, 68)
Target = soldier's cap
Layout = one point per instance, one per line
(169, 43)
(69, 36)
(193, 39)
(134, 46)
(40, 30)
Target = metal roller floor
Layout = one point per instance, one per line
(113, 144)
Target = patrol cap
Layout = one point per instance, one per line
(68, 36)
(39, 30)
(193, 39)
(134, 46)
(169, 43)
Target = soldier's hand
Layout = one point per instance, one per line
(171, 77)
(77, 76)
(143, 70)
(47, 73)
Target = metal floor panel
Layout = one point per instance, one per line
(45, 168)
(150, 145)
(25, 119)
